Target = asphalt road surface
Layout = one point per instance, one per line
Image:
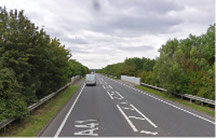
(112, 108)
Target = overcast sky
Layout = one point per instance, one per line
(102, 32)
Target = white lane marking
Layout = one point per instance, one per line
(128, 108)
(83, 121)
(88, 132)
(123, 103)
(69, 112)
(121, 97)
(115, 95)
(109, 95)
(193, 114)
(144, 116)
(148, 132)
(135, 117)
(127, 119)
(110, 87)
(200, 117)
(90, 125)
(100, 81)
(104, 87)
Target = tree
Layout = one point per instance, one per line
(32, 64)
(184, 66)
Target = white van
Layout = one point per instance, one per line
(90, 79)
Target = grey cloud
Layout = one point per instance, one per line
(146, 6)
(96, 5)
(65, 38)
(75, 40)
(54, 32)
(151, 24)
(78, 50)
(134, 26)
(136, 48)
(108, 30)
(147, 16)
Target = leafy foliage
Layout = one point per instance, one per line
(141, 67)
(32, 64)
(184, 66)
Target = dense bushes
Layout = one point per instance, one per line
(76, 68)
(32, 65)
(141, 67)
(184, 66)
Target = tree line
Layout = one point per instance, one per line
(184, 66)
(32, 64)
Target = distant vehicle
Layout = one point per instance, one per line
(90, 79)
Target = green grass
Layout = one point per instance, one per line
(195, 106)
(34, 123)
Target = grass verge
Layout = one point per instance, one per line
(205, 109)
(34, 123)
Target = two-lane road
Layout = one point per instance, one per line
(114, 109)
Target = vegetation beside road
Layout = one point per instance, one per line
(184, 66)
(205, 109)
(32, 124)
(32, 64)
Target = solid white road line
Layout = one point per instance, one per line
(69, 112)
(198, 116)
(144, 116)
(165, 102)
(128, 120)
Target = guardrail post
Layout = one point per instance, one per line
(190, 100)
(201, 103)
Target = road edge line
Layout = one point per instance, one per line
(69, 112)
(174, 106)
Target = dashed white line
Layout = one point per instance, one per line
(148, 132)
(123, 103)
(135, 117)
(128, 108)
